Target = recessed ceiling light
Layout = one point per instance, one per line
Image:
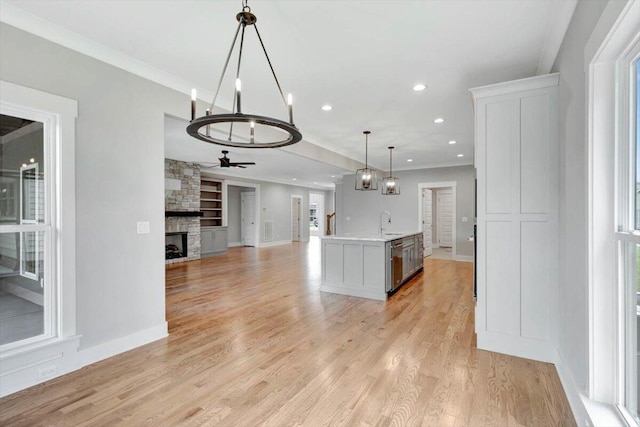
(438, 120)
(452, 142)
(460, 155)
(419, 87)
(409, 160)
(315, 182)
(294, 178)
(333, 176)
(327, 107)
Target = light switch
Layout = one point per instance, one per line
(144, 227)
(465, 219)
(348, 218)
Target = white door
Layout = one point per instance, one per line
(248, 219)
(295, 219)
(427, 205)
(445, 217)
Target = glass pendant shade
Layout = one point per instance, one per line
(366, 179)
(390, 185)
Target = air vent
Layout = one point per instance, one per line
(268, 231)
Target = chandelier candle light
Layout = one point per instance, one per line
(245, 18)
(390, 185)
(366, 179)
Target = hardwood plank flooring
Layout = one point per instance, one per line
(254, 342)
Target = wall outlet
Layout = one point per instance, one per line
(143, 227)
(465, 219)
(47, 372)
(348, 218)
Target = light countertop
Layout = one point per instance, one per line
(372, 237)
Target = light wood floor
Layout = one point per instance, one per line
(253, 342)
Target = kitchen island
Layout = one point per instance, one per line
(370, 266)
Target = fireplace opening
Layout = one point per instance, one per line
(175, 245)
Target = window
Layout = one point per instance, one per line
(25, 230)
(628, 234)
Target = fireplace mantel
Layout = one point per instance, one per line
(181, 213)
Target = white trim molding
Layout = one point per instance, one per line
(435, 185)
(111, 348)
(606, 51)
(276, 243)
(36, 360)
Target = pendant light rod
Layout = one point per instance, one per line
(391, 160)
(366, 148)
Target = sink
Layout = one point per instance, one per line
(393, 234)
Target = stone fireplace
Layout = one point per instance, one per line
(182, 207)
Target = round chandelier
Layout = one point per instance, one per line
(202, 127)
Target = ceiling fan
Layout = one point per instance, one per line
(226, 162)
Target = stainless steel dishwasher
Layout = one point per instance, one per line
(394, 276)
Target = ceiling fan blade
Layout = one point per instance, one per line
(239, 166)
(242, 163)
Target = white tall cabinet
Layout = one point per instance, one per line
(516, 159)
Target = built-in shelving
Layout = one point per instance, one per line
(210, 202)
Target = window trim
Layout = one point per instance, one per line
(58, 115)
(611, 42)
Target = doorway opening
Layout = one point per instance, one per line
(436, 218)
(316, 214)
(241, 202)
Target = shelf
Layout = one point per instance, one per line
(211, 202)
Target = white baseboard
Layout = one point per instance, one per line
(516, 346)
(37, 363)
(234, 244)
(120, 345)
(464, 258)
(279, 242)
(586, 412)
(572, 392)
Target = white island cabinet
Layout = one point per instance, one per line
(367, 266)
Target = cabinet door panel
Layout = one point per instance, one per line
(206, 241)
(500, 125)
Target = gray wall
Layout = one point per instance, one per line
(119, 181)
(364, 207)
(573, 333)
(275, 204)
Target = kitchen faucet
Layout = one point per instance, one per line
(389, 221)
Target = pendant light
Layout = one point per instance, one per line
(366, 179)
(200, 127)
(390, 185)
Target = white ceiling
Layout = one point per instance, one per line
(362, 57)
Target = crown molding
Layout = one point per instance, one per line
(19, 18)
